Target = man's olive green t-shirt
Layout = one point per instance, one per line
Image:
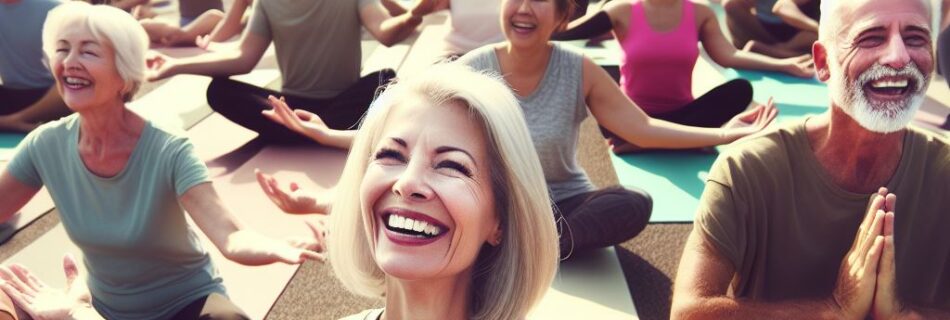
(773, 211)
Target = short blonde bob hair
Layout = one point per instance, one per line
(508, 279)
(108, 25)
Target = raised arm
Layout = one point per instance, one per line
(726, 55)
(614, 111)
(15, 195)
(231, 25)
(791, 13)
(389, 29)
(231, 237)
(614, 17)
(219, 63)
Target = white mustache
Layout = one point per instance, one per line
(878, 71)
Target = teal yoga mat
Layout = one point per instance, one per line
(675, 179)
(8, 143)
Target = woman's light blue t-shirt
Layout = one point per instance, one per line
(144, 260)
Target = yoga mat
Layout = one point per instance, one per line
(8, 144)
(182, 101)
(588, 286)
(37, 207)
(254, 289)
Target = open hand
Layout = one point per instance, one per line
(752, 120)
(40, 301)
(300, 121)
(159, 66)
(291, 199)
(801, 66)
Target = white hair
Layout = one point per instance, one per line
(508, 279)
(108, 25)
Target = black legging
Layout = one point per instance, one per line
(14, 100)
(242, 104)
(711, 110)
(943, 61)
(601, 218)
(715, 108)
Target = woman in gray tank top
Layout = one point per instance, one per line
(558, 88)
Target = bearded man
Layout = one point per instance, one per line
(845, 215)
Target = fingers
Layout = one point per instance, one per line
(305, 115)
(311, 255)
(70, 269)
(890, 202)
(873, 256)
(26, 277)
(872, 238)
(887, 272)
(21, 300)
(15, 282)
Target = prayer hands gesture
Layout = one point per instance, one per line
(867, 279)
(42, 302)
(751, 121)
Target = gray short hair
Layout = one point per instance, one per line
(108, 25)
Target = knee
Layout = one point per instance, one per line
(637, 204)
(217, 90)
(742, 90)
(734, 7)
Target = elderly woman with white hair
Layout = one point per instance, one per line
(121, 184)
(445, 213)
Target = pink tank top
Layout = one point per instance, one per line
(656, 71)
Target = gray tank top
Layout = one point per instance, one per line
(554, 113)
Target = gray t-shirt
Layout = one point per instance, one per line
(317, 43)
(21, 44)
(144, 260)
(554, 113)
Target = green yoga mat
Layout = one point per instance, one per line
(675, 179)
(8, 143)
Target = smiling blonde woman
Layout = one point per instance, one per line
(447, 152)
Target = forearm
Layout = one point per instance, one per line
(49, 107)
(728, 308)
(398, 28)
(249, 248)
(213, 64)
(790, 13)
(341, 139)
(231, 25)
(128, 4)
(668, 135)
(749, 60)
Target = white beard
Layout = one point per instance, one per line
(880, 117)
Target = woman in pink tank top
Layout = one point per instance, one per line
(659, 41)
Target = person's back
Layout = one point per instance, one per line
(21, 54)
(317, 43)
(774, 212)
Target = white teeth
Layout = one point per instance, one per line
(400, 222)
(889, 84)
(76, 81)
(522, 25)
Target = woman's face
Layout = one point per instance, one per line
(427, 192)
(85, 71)
(528, 23)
